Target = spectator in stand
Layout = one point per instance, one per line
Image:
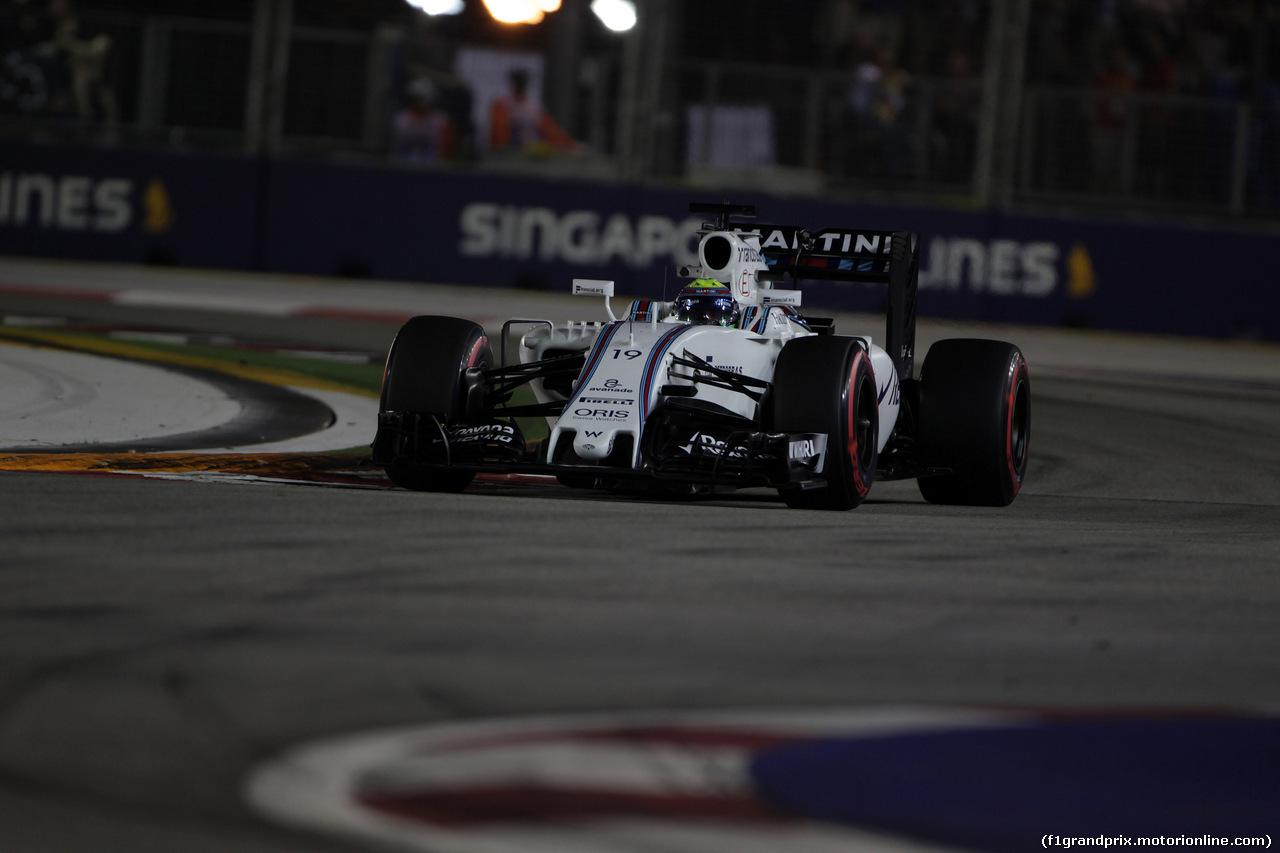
(1163, 16)
(59, 22)
(1265, 178)
(17, 25)
(955, 117)
(1225, 80)
(421, 133)
(1160, 79)
(878, 101)
(517, 122)
(35, 75)
(428, 51)
(835, 31)
(1160, 72)
(86, 60)
(1113, 87)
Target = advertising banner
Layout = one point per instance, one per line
(113, 204)
(477, 227)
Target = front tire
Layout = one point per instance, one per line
(425, 374)
(826, 385)
(975, 419)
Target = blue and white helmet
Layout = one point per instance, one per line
(706, 302)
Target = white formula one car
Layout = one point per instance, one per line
(728, 386)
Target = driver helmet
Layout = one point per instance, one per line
(706, 302)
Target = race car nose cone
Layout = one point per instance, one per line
(591, 447)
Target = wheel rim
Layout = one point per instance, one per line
(866, 426)
(1019, 436)
(860, 427)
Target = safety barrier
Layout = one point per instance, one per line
(488, 228)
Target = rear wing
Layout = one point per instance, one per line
(835, 254)
(839, 254)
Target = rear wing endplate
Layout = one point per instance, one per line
(873, 257)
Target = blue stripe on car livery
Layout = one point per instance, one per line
(651, 366)
(641, 311)
(593, 359)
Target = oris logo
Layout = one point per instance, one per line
(601, 414)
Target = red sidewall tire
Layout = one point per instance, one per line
(826, 385)
(860, 450)
(975, 420)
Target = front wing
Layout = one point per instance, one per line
(702, 454)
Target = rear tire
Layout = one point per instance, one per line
(975, 419)
(826, 385)
(425, 374)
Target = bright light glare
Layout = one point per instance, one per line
(617, 15)
(439, 7)
(547, 6)
(514, 11)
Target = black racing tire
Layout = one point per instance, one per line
(424, 374)
(975, 419)
(825, 384)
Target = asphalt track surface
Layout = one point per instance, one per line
(160, 638)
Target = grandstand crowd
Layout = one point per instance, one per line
(1117, 58)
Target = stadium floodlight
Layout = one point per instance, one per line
(514, 11)
(617, 15)
(439, 7)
